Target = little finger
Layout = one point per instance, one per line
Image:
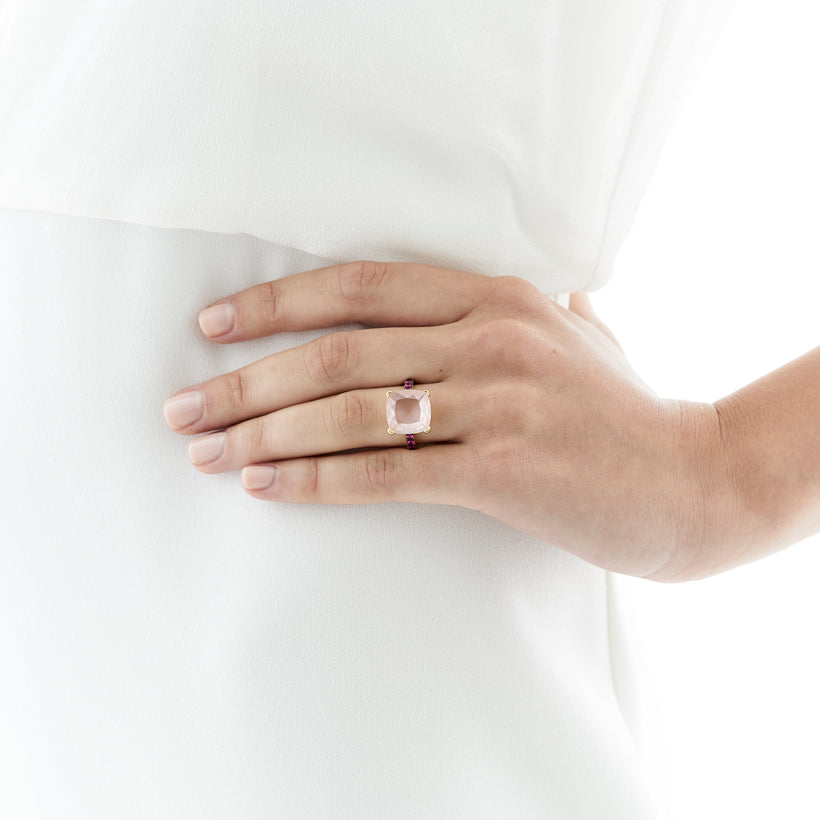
(433, 475)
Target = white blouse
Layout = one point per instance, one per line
(507, 136)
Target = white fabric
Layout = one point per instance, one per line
(173, 648)
(504, 137)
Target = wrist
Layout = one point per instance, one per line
(749, 472)
(702, 494)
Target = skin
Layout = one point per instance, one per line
(538, 420)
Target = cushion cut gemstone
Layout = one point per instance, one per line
(408, 411)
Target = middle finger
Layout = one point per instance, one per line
(330, 365)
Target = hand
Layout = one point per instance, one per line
(537, 418)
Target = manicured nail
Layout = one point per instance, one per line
(205, 449)
(217, 320)
(185, 409)
(258, 476)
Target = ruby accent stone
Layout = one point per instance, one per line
(408, 411)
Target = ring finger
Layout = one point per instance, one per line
(348, 421)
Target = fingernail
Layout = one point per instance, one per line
(258, 476)
(206, 449)
(185, 409)
(217, 320)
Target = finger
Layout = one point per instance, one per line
(434, 475)
(349, 421)
(332, 364)
(374, 293)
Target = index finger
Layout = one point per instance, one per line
(386, 294)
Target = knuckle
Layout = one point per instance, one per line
(380, 468)
(255, 436)
(300, 481)
(269, 302)
(328, 358)
(310, 477)
(514, 294)
(238, 388)
(358, 279)
(506, 342)
(346, 415)
(508, 349)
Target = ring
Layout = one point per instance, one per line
(408, 412)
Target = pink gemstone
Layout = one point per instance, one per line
(408, 411)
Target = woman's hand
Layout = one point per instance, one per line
(537, 418)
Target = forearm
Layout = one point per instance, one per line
(763, 476)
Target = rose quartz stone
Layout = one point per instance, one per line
(408, 411)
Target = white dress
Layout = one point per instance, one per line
(175, 649)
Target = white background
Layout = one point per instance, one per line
(718, 284)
